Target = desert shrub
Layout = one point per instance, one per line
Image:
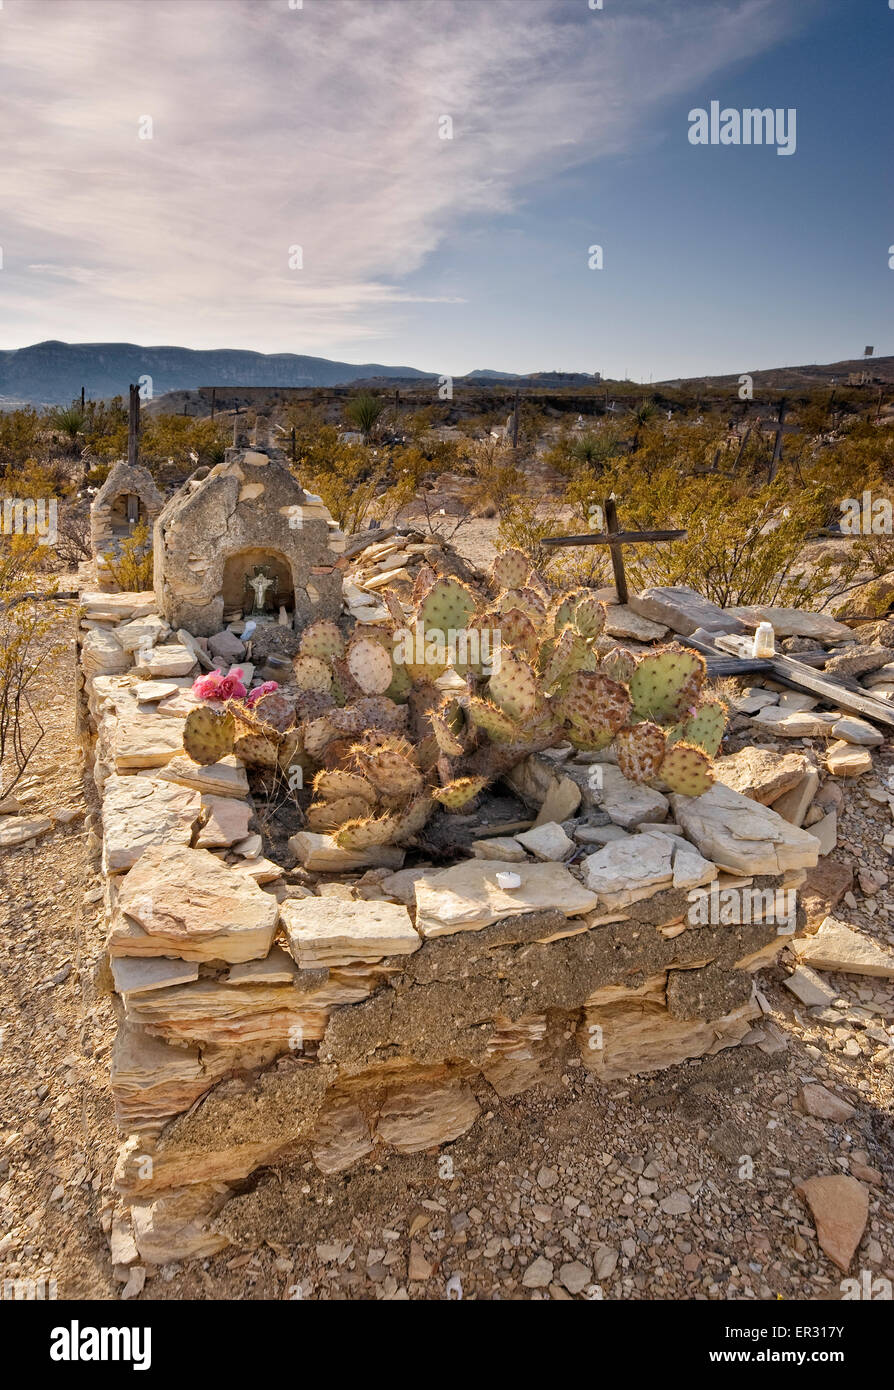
(742, 546)
(352, 503)
(131, 564)
(26, 625)
(20, 436)
(70, 422)
(364, 412)
(97, 474)
(73, 533)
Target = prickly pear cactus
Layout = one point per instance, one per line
(641, 750)
(510, 570)
(447, 607)
(312, 673)
(687, 770)
(386, 743)
(370, 665)
(208, 735)
(323, 640)
(704, 728)
(514, 688)
(666, 684)
(459, 794)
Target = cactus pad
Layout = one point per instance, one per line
(318, 733)
(514, 687)
(311, 673)
(336, 786)
(391, 773)
(458, 794)
(445, 737)
(369, 662)
(446, 607)
(275, 709)
(687, 770)
(510, 570)
(666, 683)
(705, 728)
(640, 751)
(594, 708)
(366, 834)
(517, 634)
(323, 640)
(208, 735)
(589, 616)
(527, 600)
(383, 714)
(311, 704)
(619, 663)
(323, 817)
(491, 721)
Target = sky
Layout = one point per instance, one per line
(420, 182)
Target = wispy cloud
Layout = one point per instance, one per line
(315, 127)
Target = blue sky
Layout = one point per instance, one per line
(319, 127)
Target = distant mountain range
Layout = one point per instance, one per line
(53, 373)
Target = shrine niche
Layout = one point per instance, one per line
(244, 538)
(127, 500)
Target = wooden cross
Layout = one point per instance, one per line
(133, 427)
(615, 538)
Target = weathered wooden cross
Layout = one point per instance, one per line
(615, 538)
(133, 427)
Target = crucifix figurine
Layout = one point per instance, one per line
(259, 582)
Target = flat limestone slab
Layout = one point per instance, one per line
(859, 731)
(133, 975)
(626, 871)
(466, 897)
(796, 622)
(185, 902)
(622, 621)
(783, 723)
(547, 841)
(807, 986)
(18, 830)
(141, 812)
(225, 778)
(172, 660)
(739, 834)
(837, 947)
(324, 932)
(760, 773)
(150, 692)
(683, 610)
(146, 740)
(122, 607)
(846, 760)
(276, 969)
(227, 821)
(628, 803)
(320, 854)
(503, 847)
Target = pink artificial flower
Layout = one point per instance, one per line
(230, 688)
(266, 689)
(208, 687)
